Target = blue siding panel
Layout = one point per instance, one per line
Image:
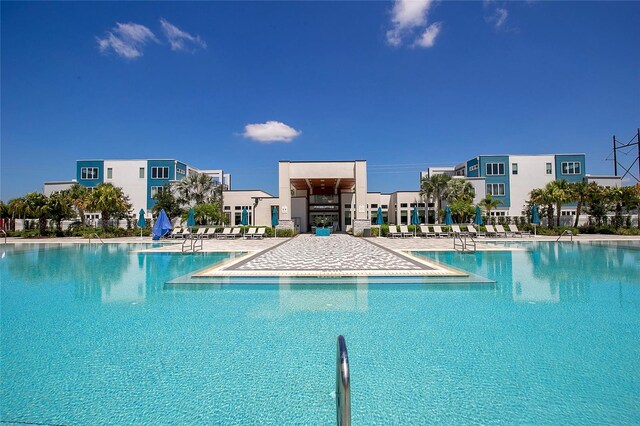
(90, 183)
(474, 173)
(504, 179)
(171, 164)
(570, 178)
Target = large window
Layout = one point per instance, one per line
(549, 170)
(160, 173)
(347, 218)
(156, 189)
(571, 168)
(514, 168)
(495, 189)
(495, 169)
(141, 173)
(109, 173)
(89, 173)
(404, 214)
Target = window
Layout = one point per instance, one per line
(385, 206)
(403, 204)
(89, 173)
(549, 171)
(403, 217)
(216, 181)
(156, 189)
(495, 189)
(495, 169)
(571, 168)
(473, 168)
(347, 218)
(109, 173)
(227, 208)
(374, 206)
(347, 206)
(514, 168)
(141, 173)
(160, 173)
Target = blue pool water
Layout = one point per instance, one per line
(92, 335)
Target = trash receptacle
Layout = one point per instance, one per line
(366, 232)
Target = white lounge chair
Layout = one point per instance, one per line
(490, 231)
(437, 229)
(426, 232)
(456, 230)
(474, 233)
(186, 233)
(250, 233)
(235, 233)
(176, 233)
(210, 233)
(393, 231)
(404, 231)
(500, 230)
(224, 234)
(259, 234)
(200, 232)
(516, 231)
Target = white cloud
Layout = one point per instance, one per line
(407, 16)
(126, 40)
(180, 40)
(428, 38)
(499, 17)
(271, 131)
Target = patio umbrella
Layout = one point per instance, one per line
(191, 220)
(447, 216)
(535, 218)
(162, 226)
(379, 221)
(274, 219)
(244, 219)
(478, 218)
(141, 222)
(415, 220)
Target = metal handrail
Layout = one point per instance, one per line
(97, 236)
(5, 235)
(343, 385)
(463, 243)
(566, 232)
(457, 237)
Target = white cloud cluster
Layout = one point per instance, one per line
(409, 17)
(271, 131)
(181, 40)
(129, 40)
(498, 18)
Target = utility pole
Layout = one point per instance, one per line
(615, 158)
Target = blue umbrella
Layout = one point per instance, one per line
(141, 222)
(379, 218)
(415, 220)
(478, 218)
(447, 216)
(162, 226)
(535, 218)
(244, 219)
(274, 217)
(191, 220)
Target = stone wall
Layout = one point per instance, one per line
(359, 225)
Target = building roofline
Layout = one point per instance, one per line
(320, 161)
(53, 182)
(249, 190)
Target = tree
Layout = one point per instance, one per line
(197, 188)
(60, 208)
(542, 198)
(598, 203)
(580, 192)
(207, 214)
(459, 190)
(629, 198)
(433, 188)
(462, 210)
(489, 203)
(79, 197)
(167, 201)
(110, 201)
(36, 207)
(559, 193)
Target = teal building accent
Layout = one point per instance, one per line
(470, 164)
(573, 158)
(503, 179)
(171, 165)
(90, 183)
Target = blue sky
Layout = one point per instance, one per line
(241, 85)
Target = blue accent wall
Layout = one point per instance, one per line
(474, 173)
(570, 178)
(171, 164)
(181, 170)
(90, 183)
(504, 179)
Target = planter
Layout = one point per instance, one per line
(323, 232)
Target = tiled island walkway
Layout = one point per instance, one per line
(336, 255)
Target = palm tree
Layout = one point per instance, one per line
(79, 197)
(598, 202)
(542, 197)
(198, 188)
(459, 190)
(580, 192)
(560, 193)
(36, 207)
(489, 203)
(60, 208)
(433, 188)
(110, 201)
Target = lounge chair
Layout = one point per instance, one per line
(177, 232)
(456, 230)
(235, 233)
(500, 230)
(490, 231)
(514, 229)
(224, 234)
(186, 233)
(437, 229)
(210, 232)
(259, 234)
(474, 233)
(393, 231)
(404, 231)
(426, 232)
(250, 233)
(200, 232)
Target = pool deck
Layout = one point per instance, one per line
(336, 255)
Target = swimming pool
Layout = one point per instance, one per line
(91, 334)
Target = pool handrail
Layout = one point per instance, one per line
(343, 385)
(5, 235)
(96, 235)
(568, 232)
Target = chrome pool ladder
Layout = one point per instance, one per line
(343, 385)
(566, 232)
(5, 235)
(97, 236)
(460, 243)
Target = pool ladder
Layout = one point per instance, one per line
(97, 236)
(195, 244)
(5, 235)
(343, 385)
(460, 243)
(566, 232)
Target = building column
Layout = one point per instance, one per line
(360, 221)
(284, 195)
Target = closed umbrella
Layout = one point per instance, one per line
(162, 226)
(478, 218)
(447, 216)
(141, 222)
(244, 219)
(379, 221)
(274, 219)
(415, 220)
(191, 220)
(535, 218)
